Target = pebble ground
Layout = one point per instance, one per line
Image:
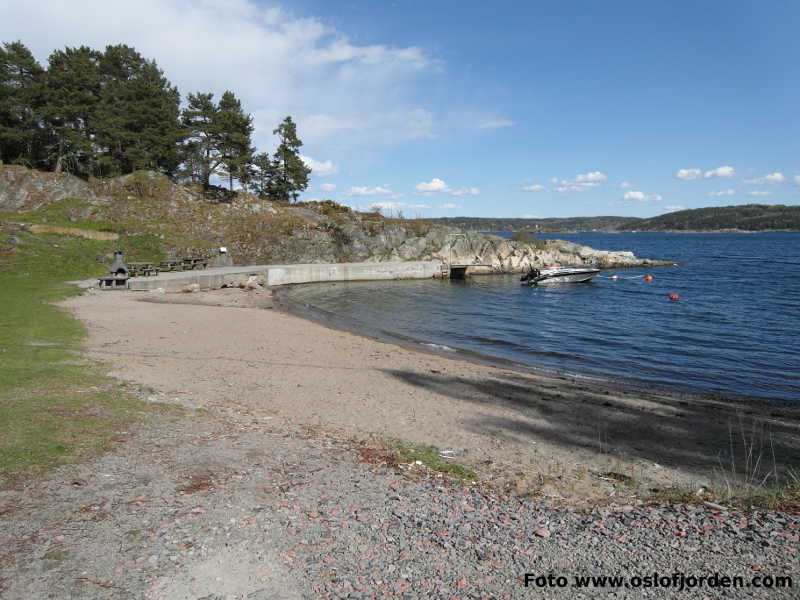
(233, 507)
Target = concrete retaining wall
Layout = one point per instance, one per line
(283, 274)
(273, 275)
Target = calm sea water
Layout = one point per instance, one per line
(735, 330)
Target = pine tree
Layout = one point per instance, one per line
(235, 129)
(72, 93)
(292, 172)
(21, 93)
(138, 124)
(263, 175)
(218, 138)
(201, 149)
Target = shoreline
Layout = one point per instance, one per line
(525, 430)
(338, 322)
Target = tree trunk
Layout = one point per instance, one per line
(59, 159)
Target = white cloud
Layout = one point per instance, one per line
(760, 193)
(320, 168)
(340, 92)
(728, 192)
(534, 188)
(496, 123)
(767, 179)
(581, 183)
(674, 207)
(437, 185)
(642, 197)
(467, 191)
(385, 205)
(328, 187)
(635, 196)
(434, 185)
(625, 185)
(797, 179)
(380, 190)
(687, 174)
(594, 176)
(567, 187)
(449, 205)
(720, 172)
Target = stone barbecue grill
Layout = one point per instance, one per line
(118, 274)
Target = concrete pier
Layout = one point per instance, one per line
(272, 275)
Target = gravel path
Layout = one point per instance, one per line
(232, 506)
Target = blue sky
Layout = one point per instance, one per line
(487, 108)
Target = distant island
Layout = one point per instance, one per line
(749, 217)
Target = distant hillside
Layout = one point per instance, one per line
(749, 217)
(555, 225)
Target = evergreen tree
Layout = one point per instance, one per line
(263, 175)
(72, 95)
(292, 172)
(201, 152)
(138, 124)
(218, 138)
(21, 90)
(235, 129)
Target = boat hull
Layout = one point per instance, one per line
(557, 276)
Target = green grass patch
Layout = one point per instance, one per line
(69, 212)
(409, 453)
(56, 406)
(778, 497)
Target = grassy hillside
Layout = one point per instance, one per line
(56, 406)
(158, 217)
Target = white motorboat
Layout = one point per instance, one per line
(559, 275)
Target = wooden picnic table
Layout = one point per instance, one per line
(195, 263)
(146, 269)
(171, 265)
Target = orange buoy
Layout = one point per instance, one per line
(674, 297)
(648, 278)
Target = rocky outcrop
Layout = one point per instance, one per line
(354, 242)
(258, 231)
(25, 189)
(510, 256)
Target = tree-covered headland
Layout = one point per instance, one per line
(110, 113)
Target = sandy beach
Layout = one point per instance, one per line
(226, 350)
(266, 494)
